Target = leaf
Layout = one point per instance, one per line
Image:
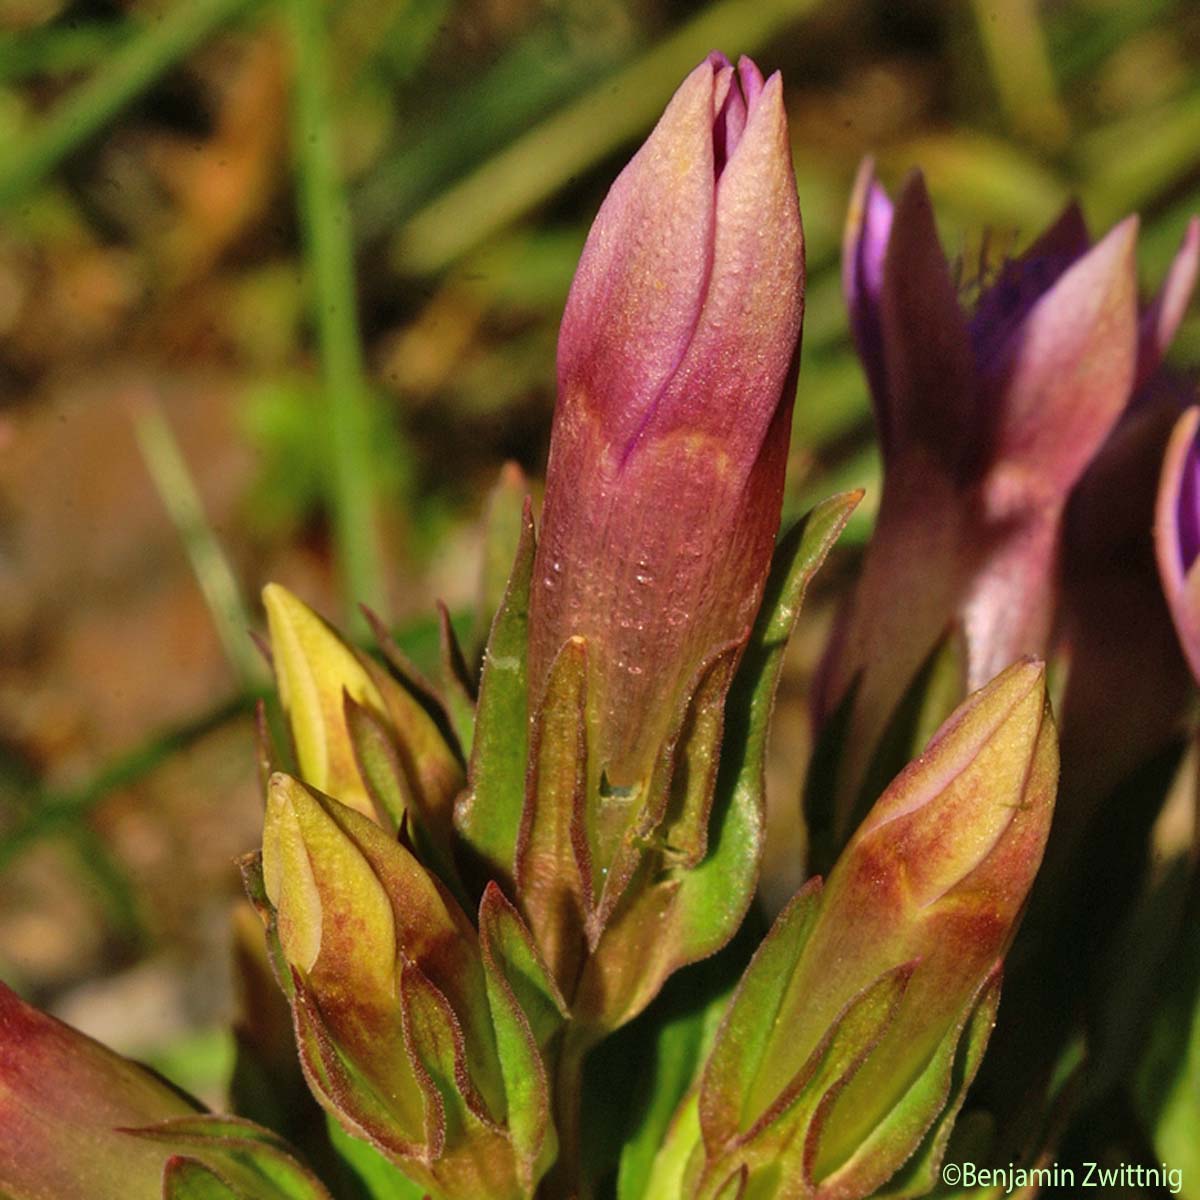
(1166, 1086)
(378, 1177)
(670, 1167)
(682, 1025)
(488, 817)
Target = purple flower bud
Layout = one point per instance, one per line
(676, 371)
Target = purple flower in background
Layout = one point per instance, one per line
(676, 375)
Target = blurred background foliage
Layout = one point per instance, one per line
(279, 288)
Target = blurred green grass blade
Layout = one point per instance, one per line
(55, 811)
(610, 114)
(117, 82)
(112, 884)
(215, 576)
(542, 70)
(200, 1061)
(330, 250)
(1017, 57)
(980, 179)
(1081, 37)
(58, 49)
(18, 795)
(1132, 161)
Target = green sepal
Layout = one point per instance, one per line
(432, 931)
(734, 1188)
(188, 1179)
(249, 1162)
(713, 898)
(684, 832)
(507, 945)
(779, 1147)
(526, 1013)
(316, 667)
(553, 862)
(378, 763)
(364, 1108)
(681, 915)
(964, 1047)
(396, 806)
(436, 1045)
(377, 1177)
(474, 1158)
(488, 815)
(748, 1025)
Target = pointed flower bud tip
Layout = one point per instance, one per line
(676, 376)
(315, 669)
